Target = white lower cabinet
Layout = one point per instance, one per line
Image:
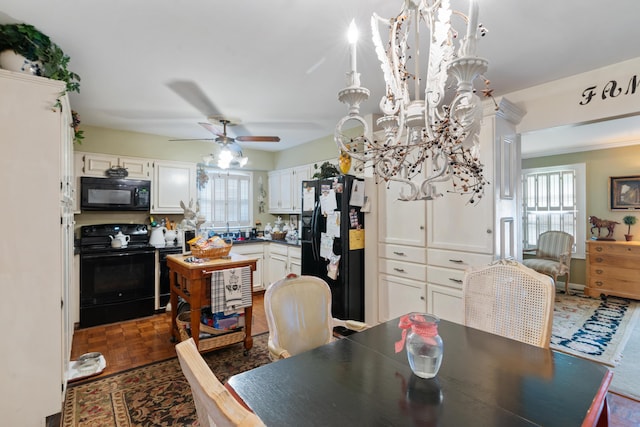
(446, 273)
(283, 260)
(445, 302)
(398, 296)
(295, 260)
(278, 261)
(402, 283)
(254, 250)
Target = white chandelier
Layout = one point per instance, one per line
(431, 125)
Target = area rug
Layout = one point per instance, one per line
(153, 395)
(592, 328)
(626, 375)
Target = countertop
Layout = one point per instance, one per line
(250, 241)
(230, 261)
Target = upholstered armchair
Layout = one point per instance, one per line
(508, 299)
(298, 310)
(553, 256)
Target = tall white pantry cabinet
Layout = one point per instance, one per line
(37, 247)
(424, 247)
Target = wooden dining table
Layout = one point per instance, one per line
(484, 380)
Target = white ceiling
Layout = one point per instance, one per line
(277, 65)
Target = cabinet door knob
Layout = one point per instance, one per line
(598, 283)
(457, 261)
(599, 248)
(398, 253)
(399, 270)
(598, 259)
(422, 298)
(599, 271)
(455, 280)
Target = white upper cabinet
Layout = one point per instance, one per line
(172, 183)
(94, 164)
(300, 173)
(399, 222)
(490, 225)
(285, 189)
(456, 224)
(280, 191)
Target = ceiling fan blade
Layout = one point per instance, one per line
(193, 139)
(258, 138)
(212, 128)
(191, 92)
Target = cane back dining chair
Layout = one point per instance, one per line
(215, 405)
(553, 256)
(298, 311)
(508, 299)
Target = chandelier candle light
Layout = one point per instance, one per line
(431, 131)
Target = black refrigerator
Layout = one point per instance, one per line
(332, 237)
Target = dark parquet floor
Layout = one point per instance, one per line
(134, 343)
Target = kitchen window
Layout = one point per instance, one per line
(225, 198)
(554, 198)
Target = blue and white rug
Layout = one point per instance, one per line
(591, 328)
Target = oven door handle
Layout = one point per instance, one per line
(94, 255)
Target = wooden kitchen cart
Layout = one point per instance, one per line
(613, 268)
(192, 282)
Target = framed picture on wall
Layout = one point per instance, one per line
(624, 192)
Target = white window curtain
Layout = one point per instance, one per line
(226, 198)
(554, 198)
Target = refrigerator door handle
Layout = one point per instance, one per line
(314, 231)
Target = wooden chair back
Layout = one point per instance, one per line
(508, 299)
(215, 405)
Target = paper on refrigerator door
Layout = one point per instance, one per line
(308, 198)
(326, 245)
(333, 224)
(328, 202)
(357, 193)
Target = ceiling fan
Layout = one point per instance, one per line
(225, 140)
(230, 152)
(194, 95)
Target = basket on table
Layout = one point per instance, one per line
(213, 253)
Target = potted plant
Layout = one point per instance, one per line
(629, 220)
(28, 41)
(327, 170)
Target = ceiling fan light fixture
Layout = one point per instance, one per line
(224, 158)
(228, 157)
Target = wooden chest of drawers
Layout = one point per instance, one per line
(613, 268)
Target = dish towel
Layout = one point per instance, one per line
(230, 289)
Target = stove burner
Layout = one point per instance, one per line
(97, 238)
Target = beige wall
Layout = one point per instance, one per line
(315, 151)
(600, 165)
(133, 144)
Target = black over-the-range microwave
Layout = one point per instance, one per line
(114, 194)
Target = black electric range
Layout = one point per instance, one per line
(115, 283)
